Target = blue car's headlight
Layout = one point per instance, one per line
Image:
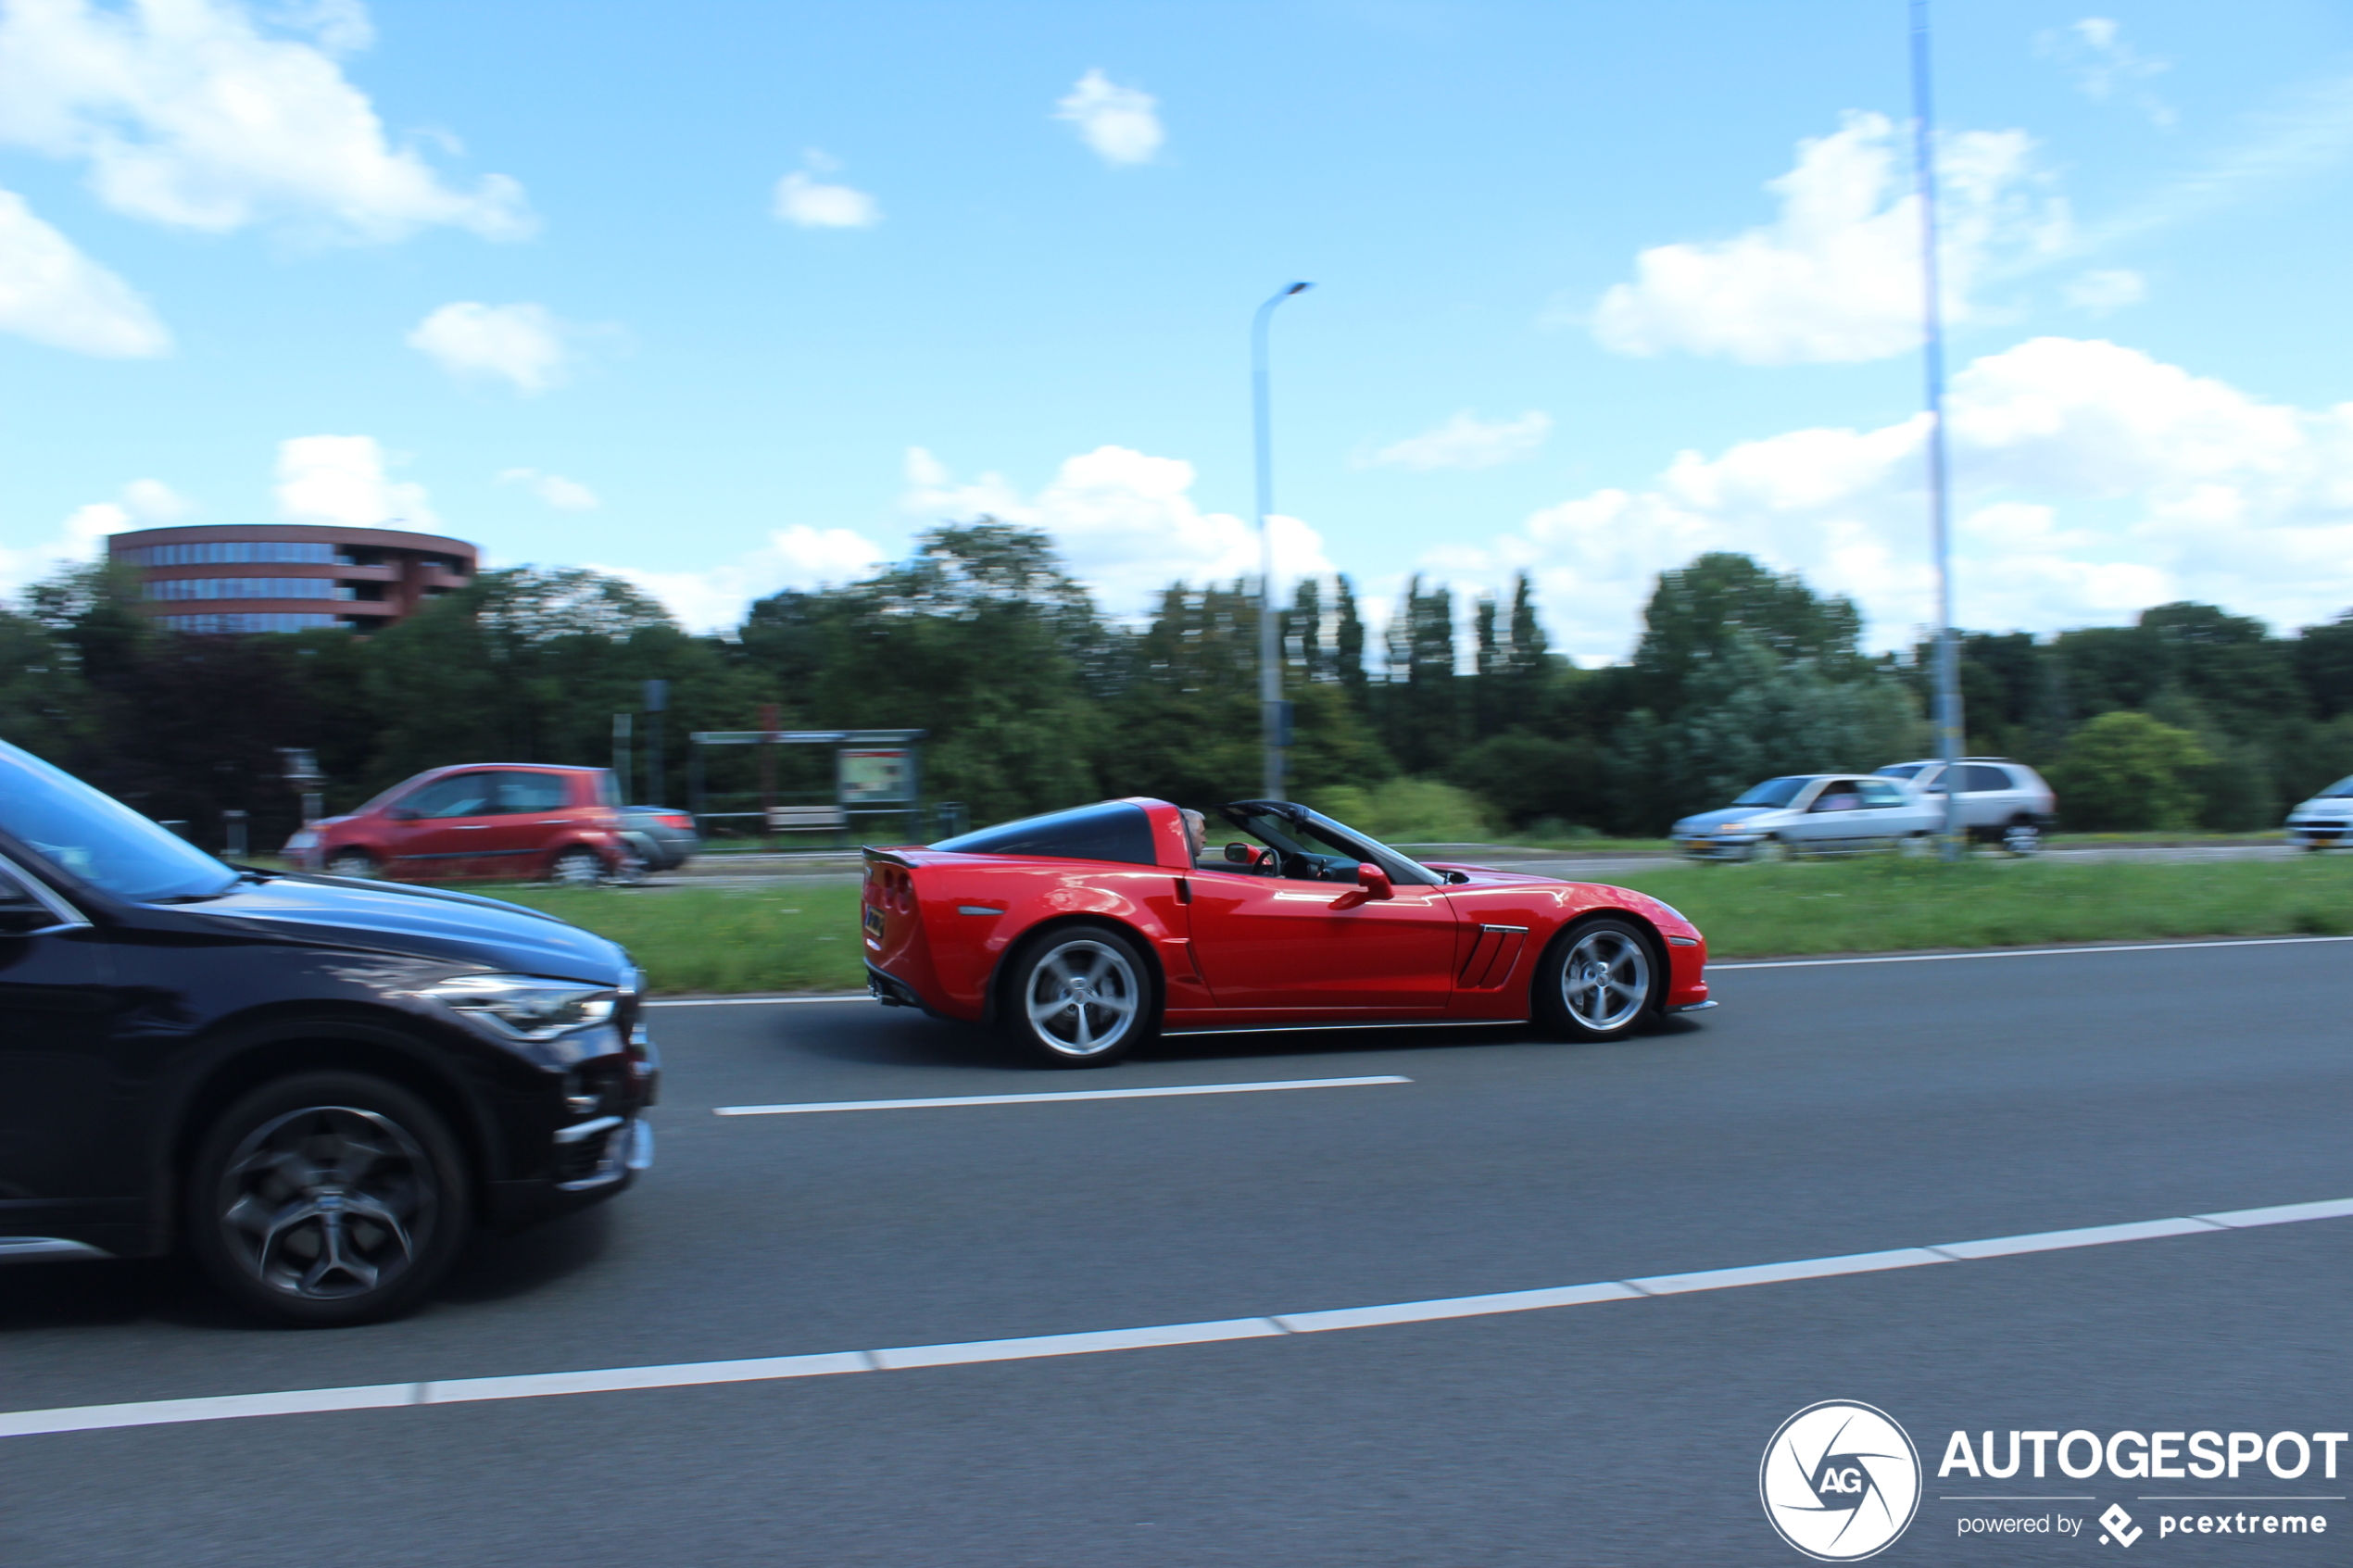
(524, 1006)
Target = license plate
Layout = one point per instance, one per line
(875, 923)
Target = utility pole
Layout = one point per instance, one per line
(1948, 653)
(1274, 712)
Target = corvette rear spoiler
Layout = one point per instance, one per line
(885, 858)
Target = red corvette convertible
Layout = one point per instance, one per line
(1084, 933)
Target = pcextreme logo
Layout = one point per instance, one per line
(1840, 1480)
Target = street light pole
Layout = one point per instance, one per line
(1274, 713)
(1948, 661)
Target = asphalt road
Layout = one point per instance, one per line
(1824, 1108)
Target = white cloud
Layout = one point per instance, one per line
(1837, 276)
(341, 480)
(152, 501)
(2104, 67)
(1121, 123)
(188, 113)
(2091, 482)
(82, 536)
(564, 494)
(807, 202)
(525, 345)
(798, 557)
(1125, 521)
(2107, 289)
(1467, 441)
(53, 294)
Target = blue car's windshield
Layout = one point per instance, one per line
(2337, 791)
(1772, 792)
(96, 838)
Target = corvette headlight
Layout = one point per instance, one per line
(524, 1006)
(1673, 910)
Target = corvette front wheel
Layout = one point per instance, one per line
(1079, 996)
(1596, 983)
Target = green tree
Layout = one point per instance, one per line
(1697, 615)
(2125, 771)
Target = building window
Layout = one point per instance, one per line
(241, 588)
(236, 552)
(240, 623)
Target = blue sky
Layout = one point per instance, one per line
(732, 297)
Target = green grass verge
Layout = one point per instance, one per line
(1886, 904)
(805, 939)
(722, 941)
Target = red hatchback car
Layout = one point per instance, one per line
(512, 821)
(1084, 933)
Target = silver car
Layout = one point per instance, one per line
(1810, 814)
(2001, 801)
(2326, 821)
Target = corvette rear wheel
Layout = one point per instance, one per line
(1597, 982)
(1079, 996)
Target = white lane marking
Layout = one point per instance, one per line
(758, 1001)
(1777, 1273)
(1456, 1307)
(907, 1356)
(814, 1107)
(308, 1401)
(2031, 952)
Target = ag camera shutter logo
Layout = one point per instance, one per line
(1840, 1480)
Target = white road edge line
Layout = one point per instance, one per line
(534, 1386)
(756, 1001)
(814, 1107)
(2029, 952)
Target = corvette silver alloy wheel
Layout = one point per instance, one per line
(328, 1202)
(1083, 998)
(1607, 980)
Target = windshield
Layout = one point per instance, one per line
(1773, 792)
(2337, 791)
(1902, 771)
(96, 838)
(1313, 847)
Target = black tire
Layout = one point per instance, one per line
(1612, 954)
(1079, 996)
(2022, 837)
(328, 1198)
(351, 863)
(576, 867)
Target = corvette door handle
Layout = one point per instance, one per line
(557, 823)
(473, 827)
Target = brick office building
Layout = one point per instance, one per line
(288, 577)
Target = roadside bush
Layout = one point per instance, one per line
(2124, 773)
(1409, 811)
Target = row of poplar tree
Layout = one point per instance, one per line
(1032, 697)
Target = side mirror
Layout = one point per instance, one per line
(1372, 885)
(1241, 853)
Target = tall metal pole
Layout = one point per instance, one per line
(1948, 653)
(1274, 717)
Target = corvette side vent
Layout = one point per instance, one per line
(1493, 957)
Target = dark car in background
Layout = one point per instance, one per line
(510, 821)
(662, 836)
(318, 1087)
